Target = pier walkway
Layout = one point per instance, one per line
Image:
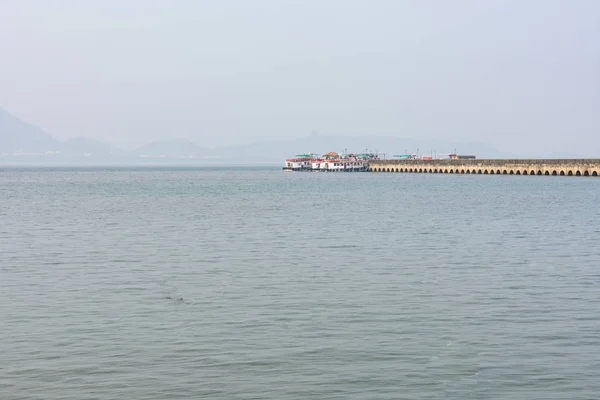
(544, 167)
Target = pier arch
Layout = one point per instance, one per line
(562, 173)
(594, 173)
(518, 172)
(570, 173)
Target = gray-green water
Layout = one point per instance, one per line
(297, 285)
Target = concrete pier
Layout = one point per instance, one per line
(543, 167)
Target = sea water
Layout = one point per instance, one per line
(252, 283)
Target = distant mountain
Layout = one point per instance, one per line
(18, 136)
(277, 150)
(21, 141)
(176, 148)
(88, 147)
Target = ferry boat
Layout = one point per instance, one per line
(330, 162)
(301, 162)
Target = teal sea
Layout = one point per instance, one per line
(253, 283)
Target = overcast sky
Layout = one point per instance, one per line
(522, 73)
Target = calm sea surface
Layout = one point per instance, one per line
(258, 284)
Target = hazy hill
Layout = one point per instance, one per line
(20, 137)
(176, 148)
(89, 147)
(17, 135)
(277, 150)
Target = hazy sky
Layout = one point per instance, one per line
(521, 73)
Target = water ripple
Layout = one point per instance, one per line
(239, 284)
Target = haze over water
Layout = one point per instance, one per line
(253, 283)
